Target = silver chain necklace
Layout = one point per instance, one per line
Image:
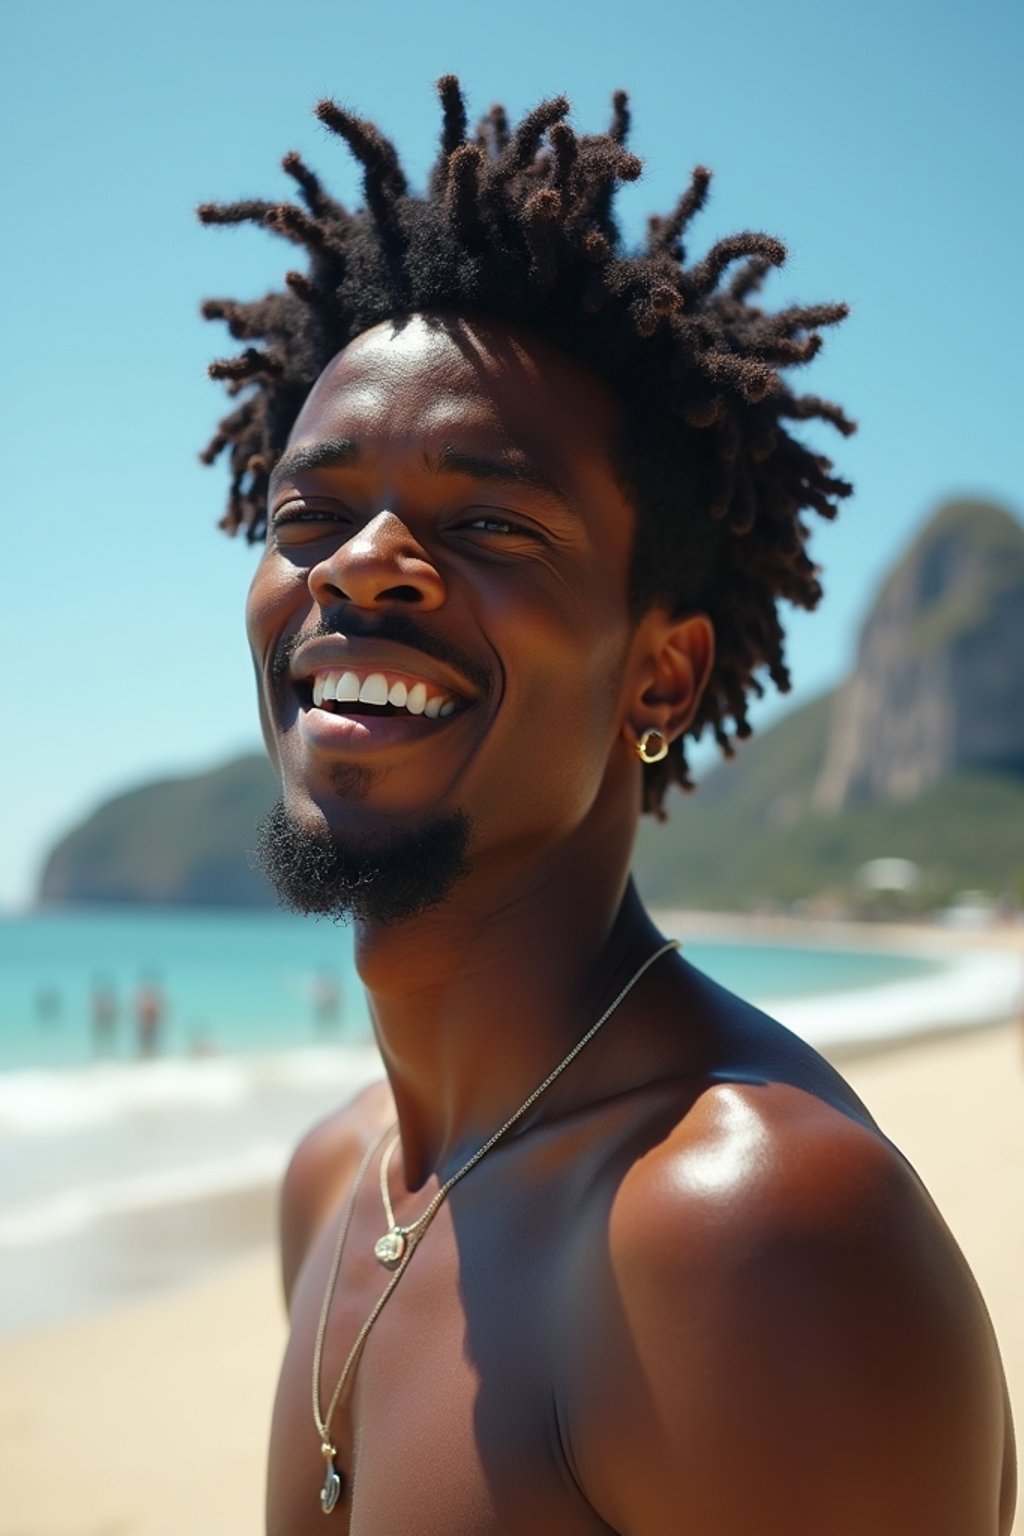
(396, 1248)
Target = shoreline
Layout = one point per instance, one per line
(858, 932)
(980, 983)
(132, 1229)
(204, 1355)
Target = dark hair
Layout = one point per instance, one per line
(517, 225)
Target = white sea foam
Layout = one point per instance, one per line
(79, 1206)
(41, 1102)
(165, 1120)
(977, 988)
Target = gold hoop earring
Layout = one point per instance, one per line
(651, 747)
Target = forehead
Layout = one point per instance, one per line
(418, 379)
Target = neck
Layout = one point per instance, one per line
(475, 1002)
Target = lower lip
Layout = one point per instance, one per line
(359, 734)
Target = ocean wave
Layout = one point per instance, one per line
(40, 1102)
(72, 1210)
(272, 1096)
(978, 988)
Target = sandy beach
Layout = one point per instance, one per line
(152, 1419)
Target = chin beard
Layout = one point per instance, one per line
(384, 880)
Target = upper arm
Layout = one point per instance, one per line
(320, 1172)
(803, 1351)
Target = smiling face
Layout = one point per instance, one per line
(440, 621)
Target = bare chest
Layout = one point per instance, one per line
(449, 1423)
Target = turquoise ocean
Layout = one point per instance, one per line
(249, 982)
(119, 1173)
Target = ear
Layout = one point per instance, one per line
(675, 658)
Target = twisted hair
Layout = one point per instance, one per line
(517, 225)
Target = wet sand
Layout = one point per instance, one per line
(152, 1419)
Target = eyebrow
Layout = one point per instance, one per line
(511, 468)
(328, 453)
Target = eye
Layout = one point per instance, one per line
(298, 522)
(494, 524)
(498, 523)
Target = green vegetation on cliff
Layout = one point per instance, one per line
(751, 835)
(178, 841)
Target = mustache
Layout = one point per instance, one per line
(388, 625)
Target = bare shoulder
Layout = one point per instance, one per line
(321, 1170)
(786, 1337)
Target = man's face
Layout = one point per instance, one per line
(446, 538)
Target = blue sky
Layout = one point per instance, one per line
(882, 142)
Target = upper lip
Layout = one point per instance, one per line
(337, 652)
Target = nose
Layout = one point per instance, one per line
(380, 566)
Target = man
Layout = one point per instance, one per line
(608, 1250)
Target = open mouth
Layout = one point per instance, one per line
(376, 694)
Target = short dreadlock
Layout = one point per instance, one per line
(517, 225)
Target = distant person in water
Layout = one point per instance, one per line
(103, 1016)
(201, 1043)
(48, 1004)
(608, 1250)
(150, 1011)
(326, 999)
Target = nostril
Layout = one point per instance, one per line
(404, 594)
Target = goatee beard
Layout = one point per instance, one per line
(386, 880)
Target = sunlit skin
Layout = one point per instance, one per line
(695, 1290)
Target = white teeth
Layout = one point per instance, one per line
(374, 689)
(348, 688)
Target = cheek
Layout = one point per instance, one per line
(574, 644)
(266, 722)
(562, 702)
(276, 597)
(275, 593)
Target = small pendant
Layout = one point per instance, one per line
(390, 1248)
(330, 1493)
